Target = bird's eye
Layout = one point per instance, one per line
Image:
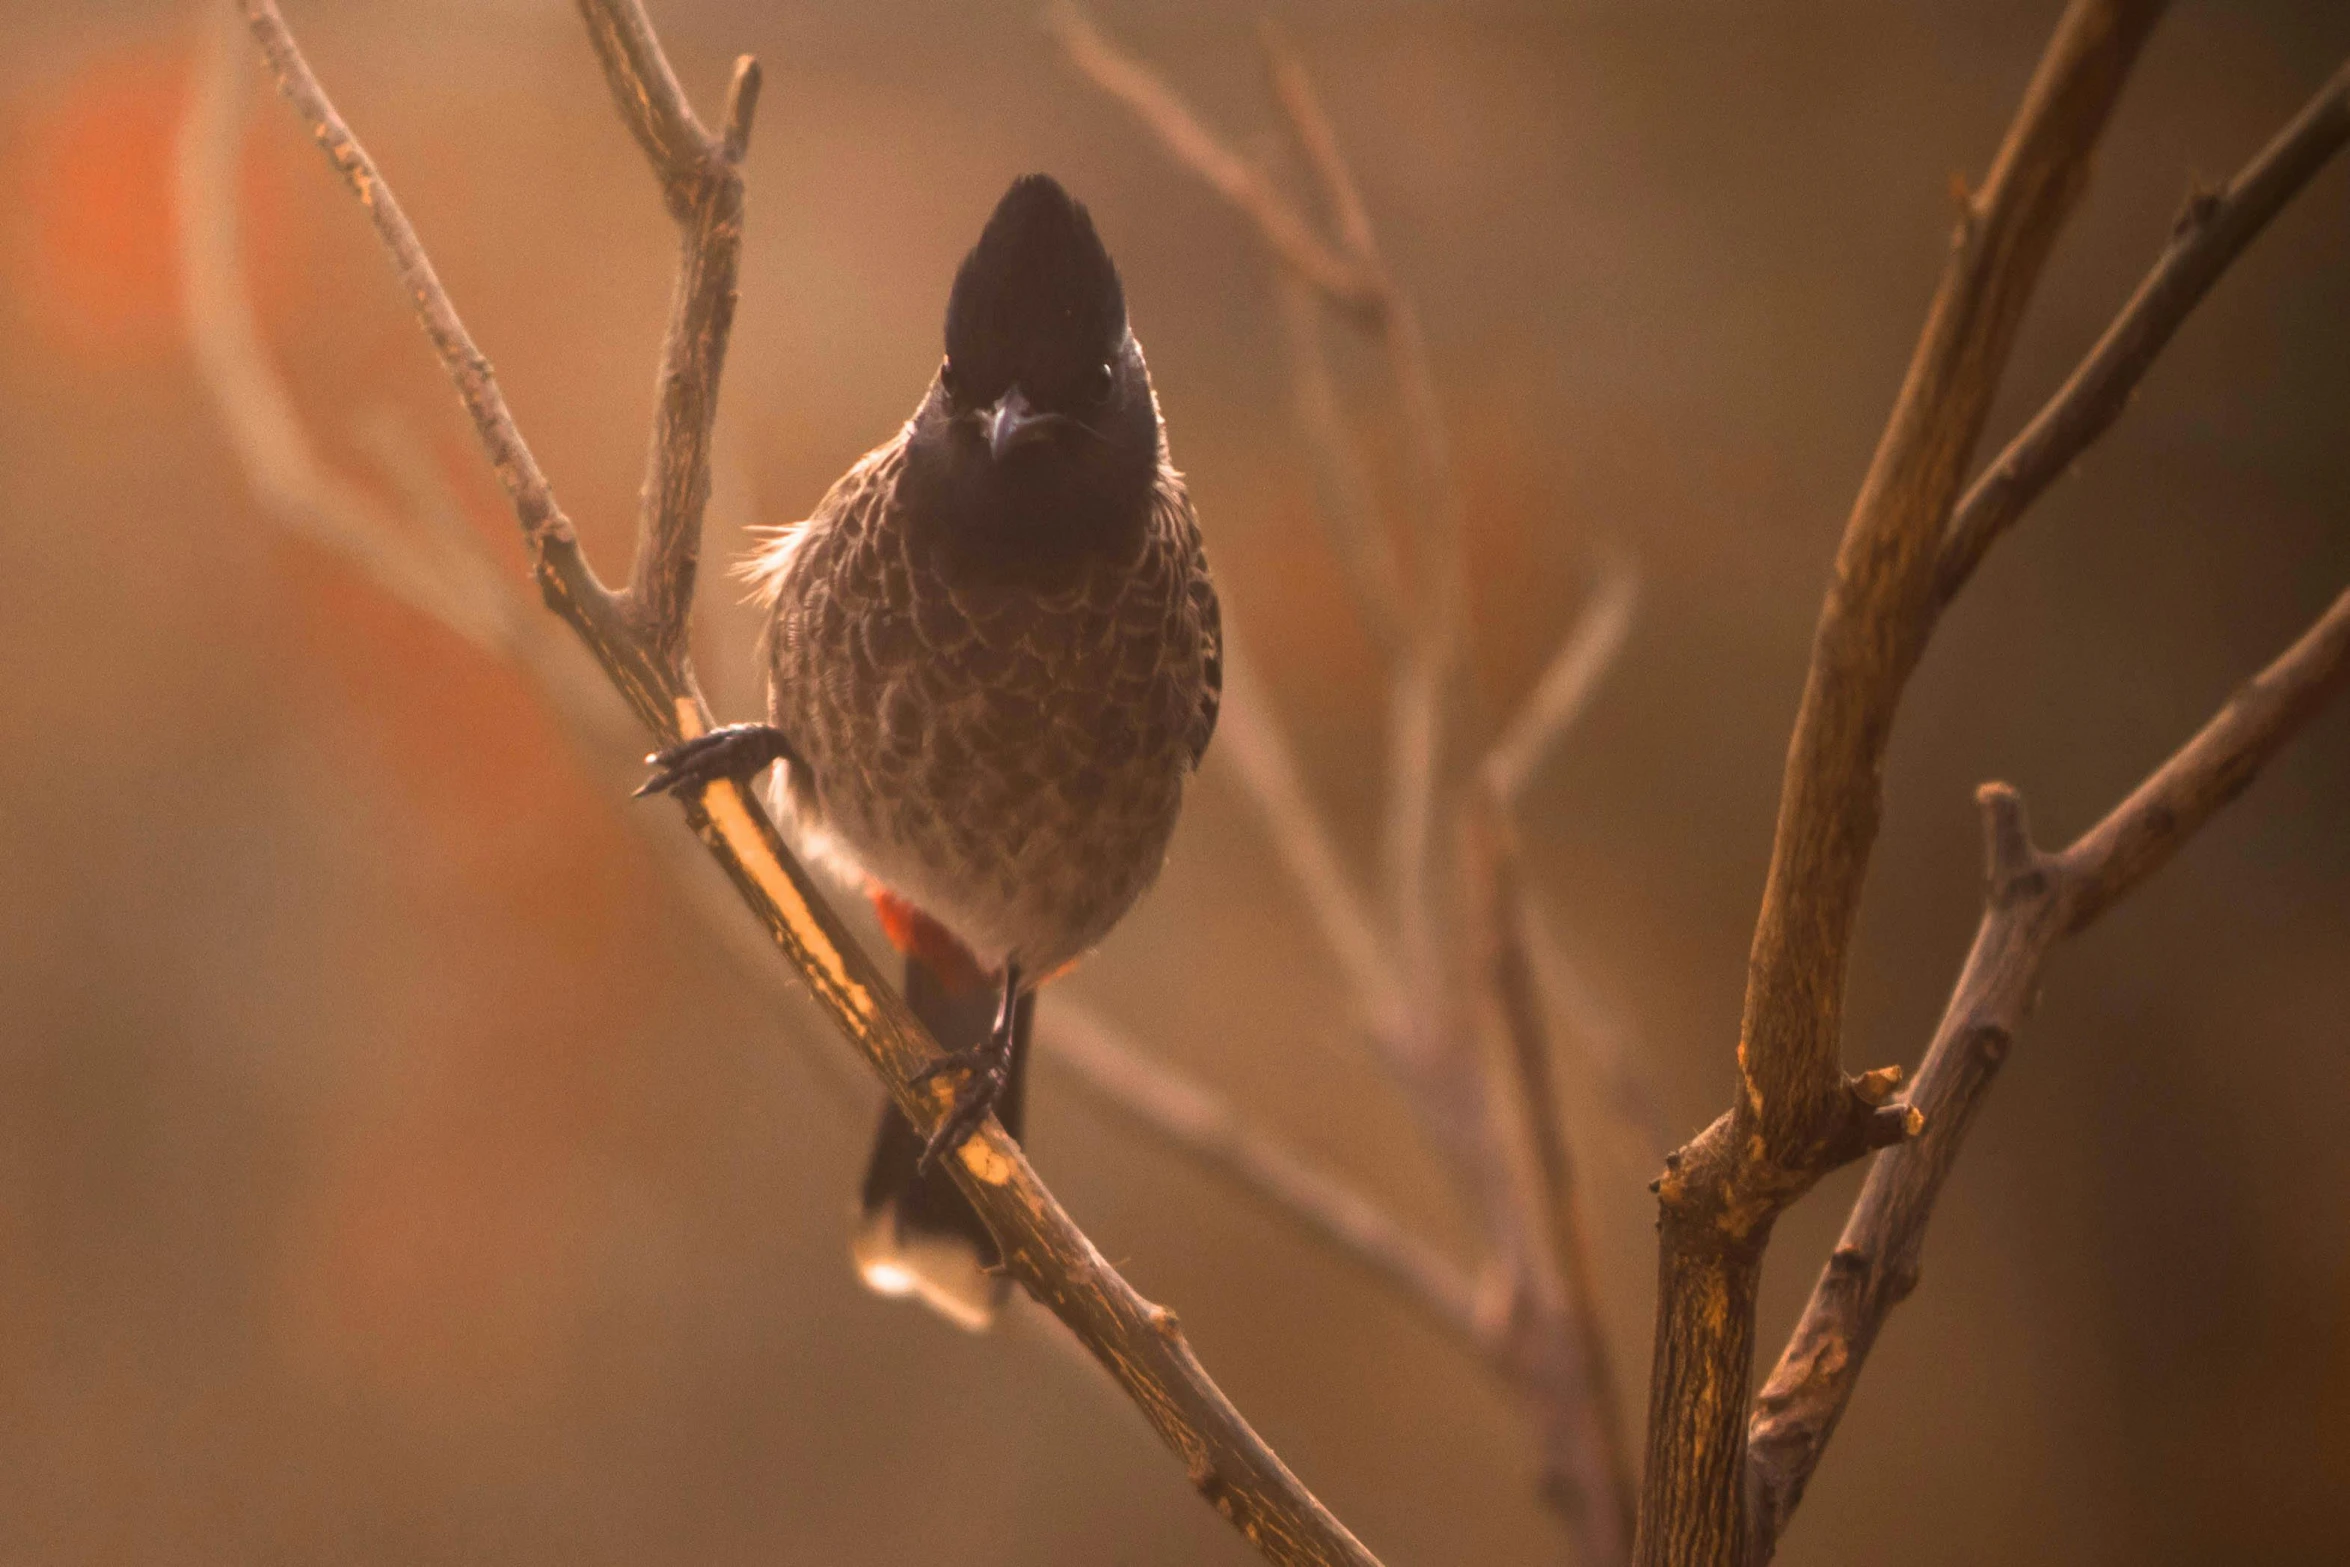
(1098, 384)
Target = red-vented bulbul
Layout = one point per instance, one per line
(993, 660)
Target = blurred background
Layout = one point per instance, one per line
(391, 1170)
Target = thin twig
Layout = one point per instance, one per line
(1349, 509)
(1588, 1466)
(702, 186)
(1566, 683)
(1599, 1034)
(1239, 181)
(1139, 1343)
(1429, 1043)
(2211, 232)
(1116, 1073)
(1251, 736)
(459, 584)
(2033, 901)
(1421, 787)
(1797, 1114)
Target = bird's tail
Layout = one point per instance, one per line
(917, 1234)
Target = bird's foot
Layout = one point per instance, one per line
(986, 1069)
(734, 751)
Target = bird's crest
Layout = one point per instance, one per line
(1037, 301)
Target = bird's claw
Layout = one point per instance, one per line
(734, 751)
(987, 1070)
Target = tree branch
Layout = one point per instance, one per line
(1341, 278)
(1204, 1127)
(702, 186)
(2212, 230)
(449, 575)
(1566, 683)
(1553, 1352)
(1139, 1343)
(2033, 900)
(1880, 608)
(1586, 1461)
(1610, 1052)
(1251, 735)
(1349, 509)
(1797, 1115)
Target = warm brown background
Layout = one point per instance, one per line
(389, 1173)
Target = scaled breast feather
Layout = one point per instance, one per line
(866, 484)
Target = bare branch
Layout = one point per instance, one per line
(1594, 1030)
(1574, 672)
(1138, 1342)
(1251, 736)
(702, 186)
(2142, 833)
(1197, 1123)
(1588, 1465)
(2214, 229)
(459, 584)
(1293, 89)
(1341, 279)
(652, 104)
(2033, 901)
(1880, 609)
(543, 522)
(1350, 510)
(1797, 1115)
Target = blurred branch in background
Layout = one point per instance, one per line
(1453, 965)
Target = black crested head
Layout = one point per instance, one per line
(1038, 446)
(1036, 304)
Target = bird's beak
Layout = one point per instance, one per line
(1012, 422)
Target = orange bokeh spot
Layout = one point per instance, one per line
(96, 183)
(86, 168)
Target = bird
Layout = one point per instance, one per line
(994, 658)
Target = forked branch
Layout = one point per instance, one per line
(1139, 1343)
(1428, 984)
(2036, 899)
(1797, 1114)
(2032, 901)
(2212, 231)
